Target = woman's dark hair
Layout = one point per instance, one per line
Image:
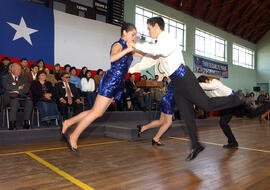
(127, 27)
(202, 78)
(32, 66)
(73, 68)
(156, 20)
(41, 72)
(164, 78)
(23, 59)
(252, 93)
(98, 71)
(38, 61)
(84, 67)
(88, 71)
(54, 71)
(67, 65)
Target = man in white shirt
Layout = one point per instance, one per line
(217, 89)
(187, 90)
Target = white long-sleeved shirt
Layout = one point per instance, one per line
(216, 88)
(166, 49)
(88, 85)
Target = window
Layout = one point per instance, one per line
(172, 26)
(209, 45)
(243, 56)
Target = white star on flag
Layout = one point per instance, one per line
(22, 31)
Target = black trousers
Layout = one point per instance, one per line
(187, 93)
(225, 118)
(63, 109)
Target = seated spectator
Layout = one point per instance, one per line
(9, 67)
(50, 77)
(165, 84)
(267, 98)
(88, 89)
(135, 94)
(83, 72)
(57, 72)
(67, 68)
(41, 91)
(4, 65)
(32, 75)
(24, 64)
(261, 98)
(66, 95)
(74, 79)
(40, 64)
(156, 77)
(15, 87)
(251, 99)
(97, 77)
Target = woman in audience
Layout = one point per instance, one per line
(40, 64)
(111, 85)
(165, 84)
(32, 75)
(88, 88)
(57, 72)
(74, 79)
(41, 91)
(97, 77)
(67, 68)
(50, 77)
(83, 72)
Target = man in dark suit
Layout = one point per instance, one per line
(66, 95)
(15, 94)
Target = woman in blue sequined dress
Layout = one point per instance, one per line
(111, 85)
(165, 121)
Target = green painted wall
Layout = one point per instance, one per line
(263, 59)
(239, 77)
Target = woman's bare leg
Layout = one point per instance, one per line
(265, 114)
(71, 121)
(164, 127)
(155, 123)
(100, 106)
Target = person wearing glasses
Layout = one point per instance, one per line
(67, 95)
(111, 85)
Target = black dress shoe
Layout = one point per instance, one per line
(194, 153)
(155, 143)
(12, 125)
(231, 145)
(26, 124)
(68, 143)
(139, 130)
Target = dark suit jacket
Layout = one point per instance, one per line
(36, 91)
(29, 77)
(9, 85)
(131, 87)
(60, 91)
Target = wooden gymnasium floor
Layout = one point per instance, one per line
(110, 164)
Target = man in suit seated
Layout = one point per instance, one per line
(15, 94)
(66, 95)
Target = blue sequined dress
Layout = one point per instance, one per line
(167, 103)
(112, 83)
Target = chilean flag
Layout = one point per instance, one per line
(34, 32)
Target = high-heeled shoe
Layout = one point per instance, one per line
(155, 143)
(68, 143)
(139, 130)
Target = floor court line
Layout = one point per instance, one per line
(216, 144)
(59, 148)
(60, 172)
